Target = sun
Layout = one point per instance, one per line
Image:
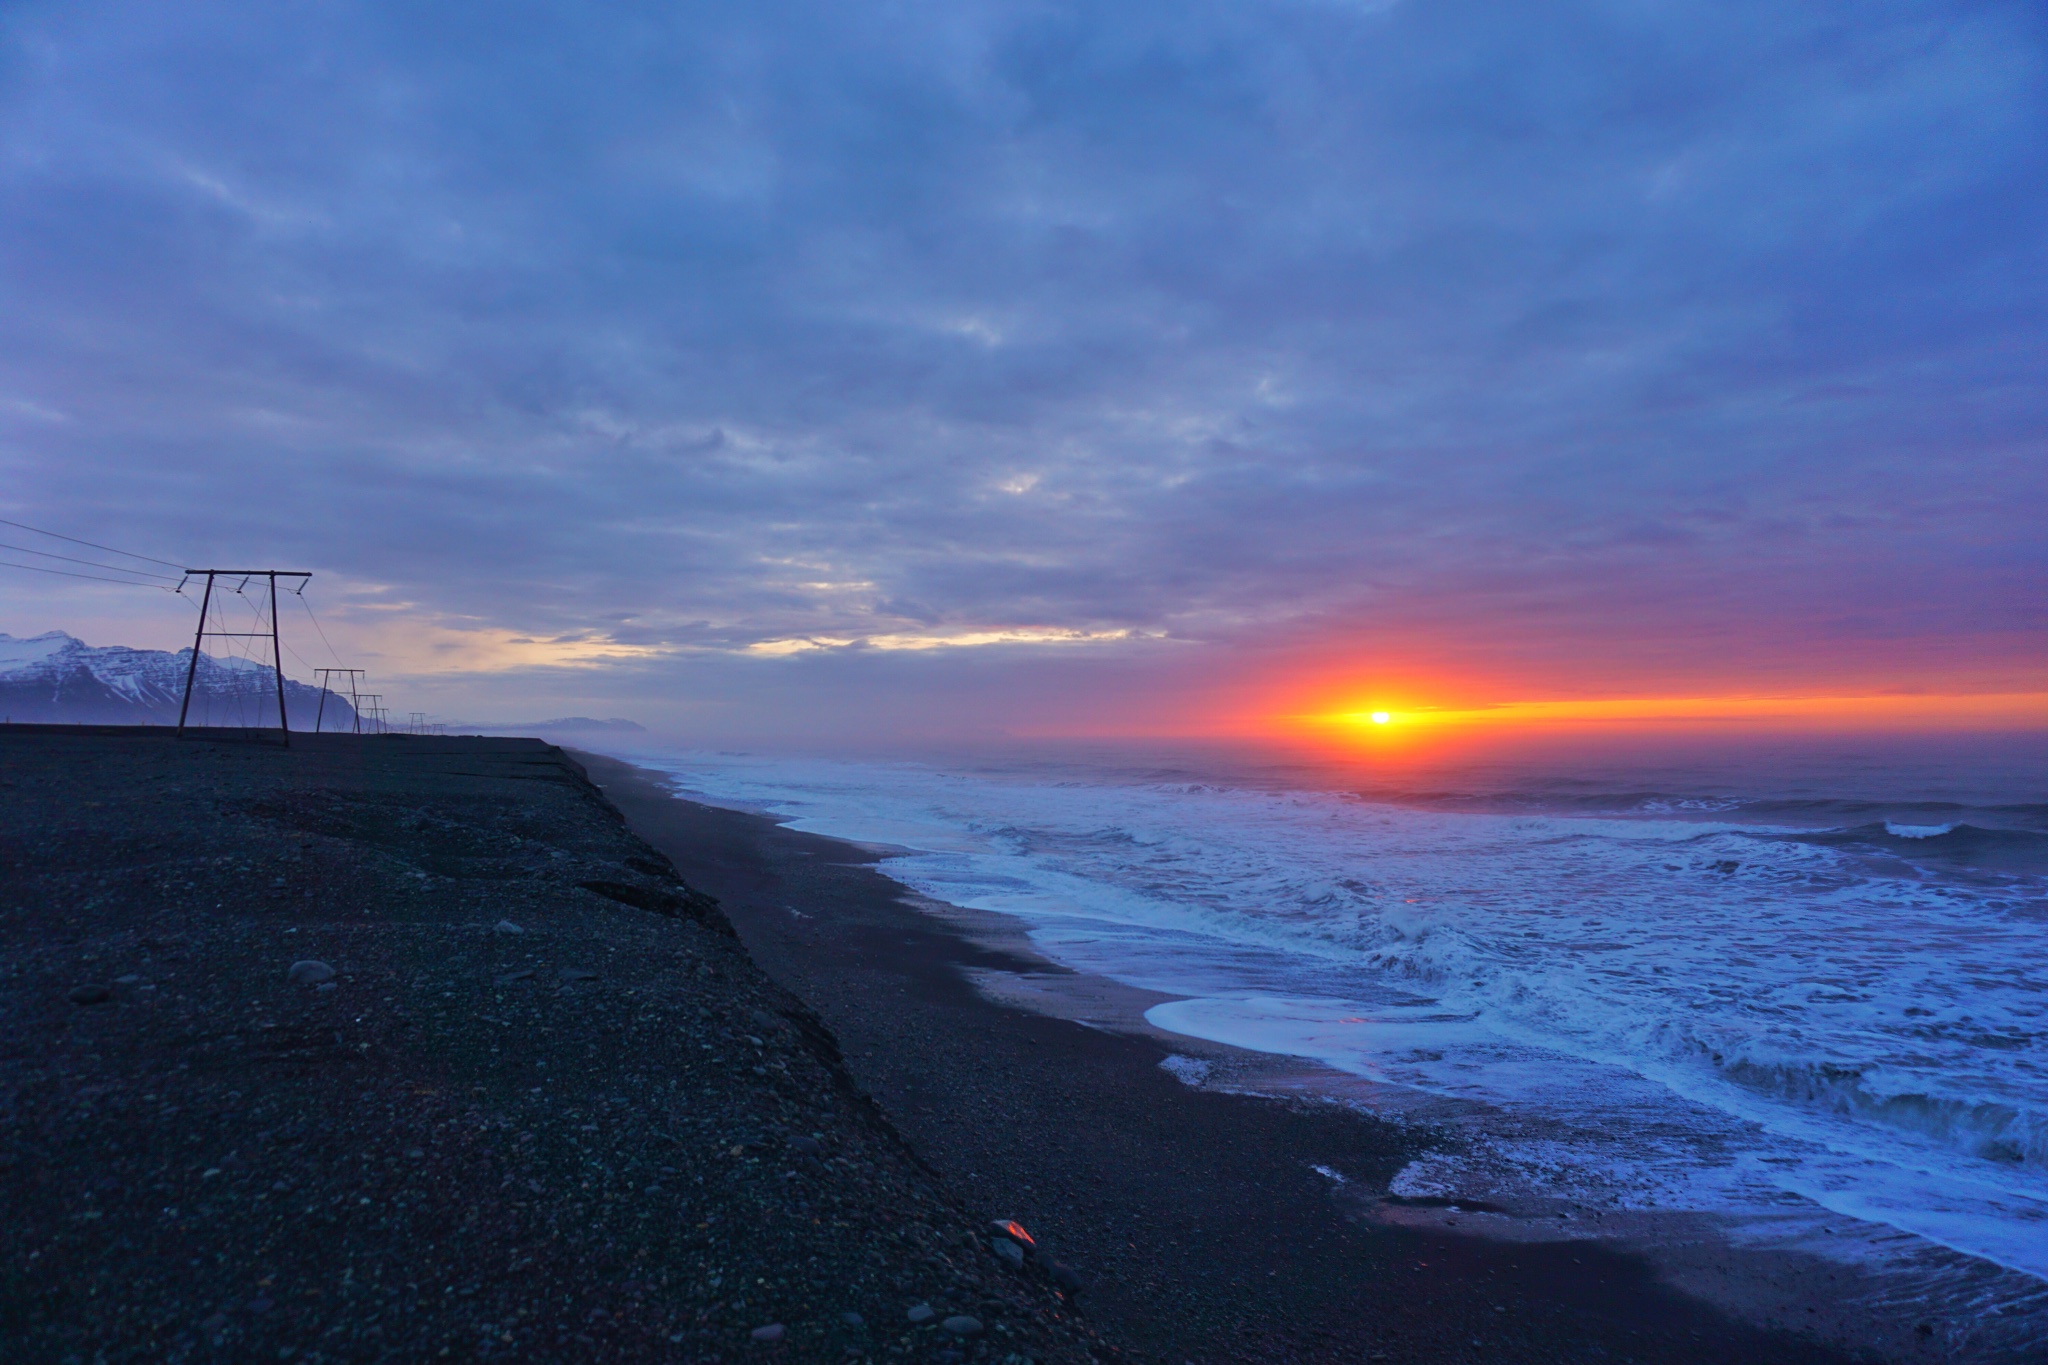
(1381, 717)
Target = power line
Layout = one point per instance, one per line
(300, 657)
(125, 582)
(90, 544)
(89, 563)
(316, 625)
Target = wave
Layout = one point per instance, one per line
(1899, 831)
(1597, 800)
(1992, 1130)
(1961, 843)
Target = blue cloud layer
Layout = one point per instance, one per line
(1549, 330)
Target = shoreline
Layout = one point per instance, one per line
(1243, 1218)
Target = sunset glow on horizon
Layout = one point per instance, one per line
(1984, 711)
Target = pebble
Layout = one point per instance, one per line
(922, 1313)
(310, 972)
(1009, 1253)
(506, 926)
(577, 974)
(90, 995)
(961, 1325)
(809, 1146)
(772, 1332)
(1014, 1230)
(853, 1319)
(1063, 1275)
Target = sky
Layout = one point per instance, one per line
(801, 369)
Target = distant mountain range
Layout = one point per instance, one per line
(565, 725)
(55, 678)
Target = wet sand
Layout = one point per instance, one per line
(1214, 1226)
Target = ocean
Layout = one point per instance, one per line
(1786, 984)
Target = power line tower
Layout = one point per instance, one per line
(373, 707)
(326, 677)
(276, 645)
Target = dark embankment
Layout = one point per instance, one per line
(1200, 1217)
(545, 1107)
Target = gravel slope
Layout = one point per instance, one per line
(544, 1107)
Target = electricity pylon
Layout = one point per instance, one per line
(276, 646)
(326, 675)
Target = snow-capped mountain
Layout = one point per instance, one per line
(55, 678)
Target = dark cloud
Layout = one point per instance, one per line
(1567, 338)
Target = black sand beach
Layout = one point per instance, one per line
(527, 1098)
(1200, 1219)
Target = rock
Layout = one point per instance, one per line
(853, 1319)
(772, 1332)
(310, 972)
(576, 974)
(506, 926)
(324, 986)
(129, 980)
(1014, 1230)
(90, 995)
(1065, 1277)
(960, 1325)
(808, 1146)
(1009, 1253)
(922, 1313)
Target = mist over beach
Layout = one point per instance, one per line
(1272, 682)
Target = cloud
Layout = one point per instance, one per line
(973, 639)
(1574, 341)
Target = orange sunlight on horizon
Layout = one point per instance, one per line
(1378, 720)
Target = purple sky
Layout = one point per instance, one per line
(772, 367)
